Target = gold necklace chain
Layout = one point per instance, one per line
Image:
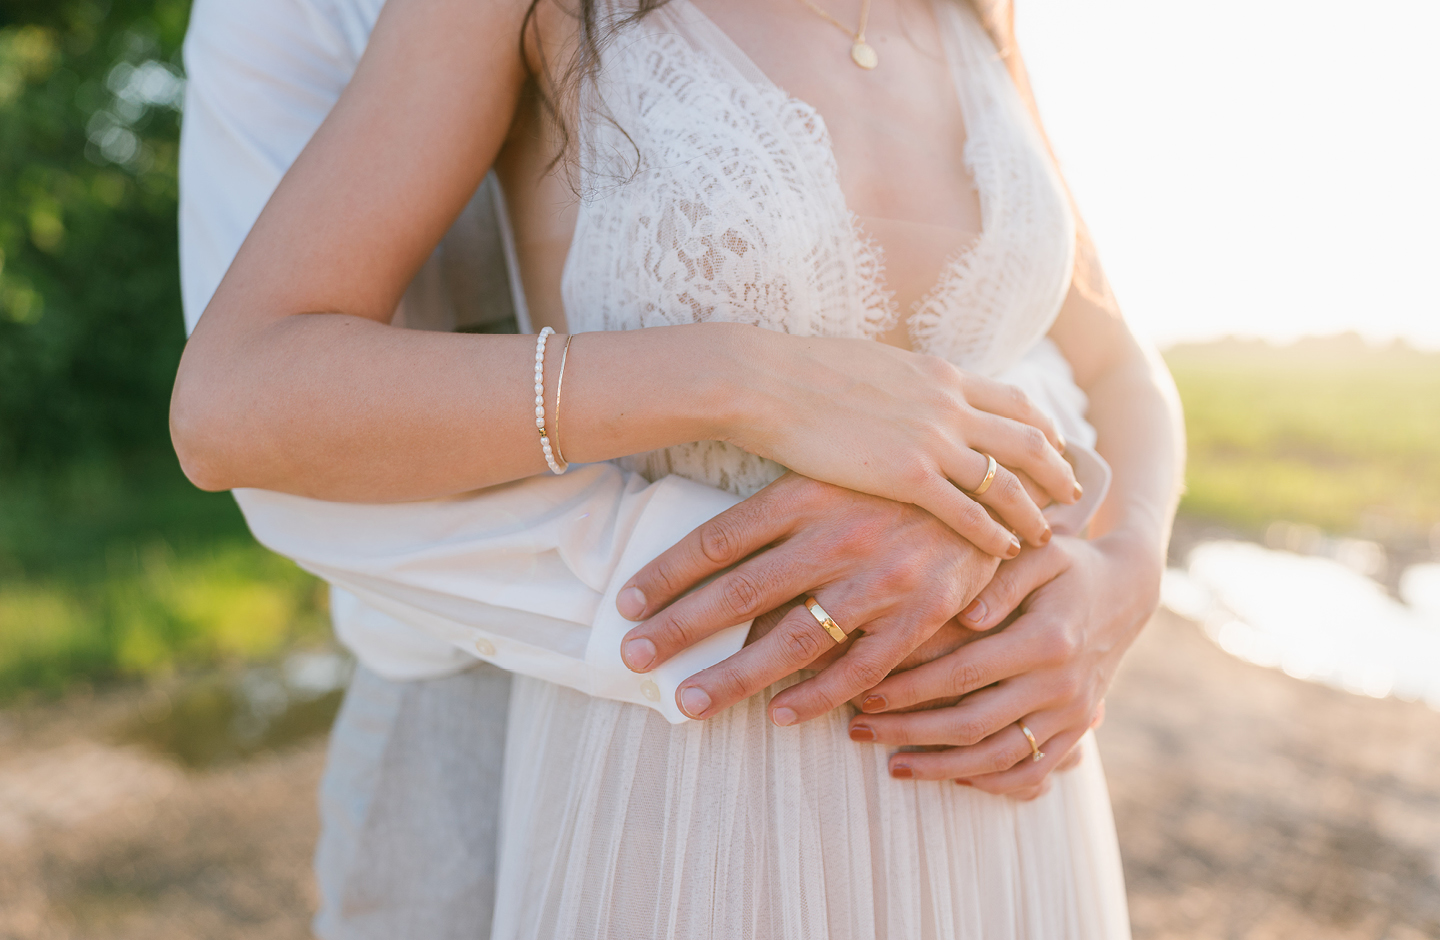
(861, 52)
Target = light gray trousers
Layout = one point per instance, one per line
(410, 808)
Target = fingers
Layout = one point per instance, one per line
(794, 643)
(1027, 776)
(982, 663)
(1017, 783)
(974, 719)
(942, 499)
(1013, 582)
(1005, 494)
(1070, 761)
(1038, 495)
(744, 593)
(1010, 401)
(714, 546)
(998, 755)
(1022, 447)
(868, 657)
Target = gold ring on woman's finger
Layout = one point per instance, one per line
(1035, 752)
(990, 469)
(824, 619)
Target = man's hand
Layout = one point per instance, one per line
(1080, 604)
(890, 574)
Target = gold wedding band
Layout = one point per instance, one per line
(824, 619)
(1035, 752)
(990, 469)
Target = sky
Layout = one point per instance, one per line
(1265, 169)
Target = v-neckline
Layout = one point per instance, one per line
(952, 274)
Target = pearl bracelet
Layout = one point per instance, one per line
(555, 467)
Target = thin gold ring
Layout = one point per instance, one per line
(990, 469)
(824, 619)
(1035, 752)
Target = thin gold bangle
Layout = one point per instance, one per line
(560, 387)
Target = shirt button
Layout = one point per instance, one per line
(650, 690)
(484, 647)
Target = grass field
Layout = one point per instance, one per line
(113, 571)
(110, 571)
(1329, 432)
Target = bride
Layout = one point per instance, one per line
(752, 236)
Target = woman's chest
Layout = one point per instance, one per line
(897, 132)
(706, 192)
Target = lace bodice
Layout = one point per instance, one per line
(709, 194)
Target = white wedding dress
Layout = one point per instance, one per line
(723, 203)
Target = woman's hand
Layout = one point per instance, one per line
(1080, 605)
(889, 573)
(908, 427)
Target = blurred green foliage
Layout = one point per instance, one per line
(111, 571)
(1329, 432)
(111, 564)
(90, 327)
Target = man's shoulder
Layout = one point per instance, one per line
(336, 29)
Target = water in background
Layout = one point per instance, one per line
(1319, 617)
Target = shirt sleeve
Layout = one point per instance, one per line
(522, 575)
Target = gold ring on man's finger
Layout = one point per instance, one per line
(990, 467)
(824, 619)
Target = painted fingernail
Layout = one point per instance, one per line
(1046, 536)
(1079, 491)
(965, 783)
(862, 733)
(1060, 441)
(783, 716)
(1014, 548)
(638, 654)
(874, 703)
(631, 603)
(694, 701)
(901, 772)
(975, 613)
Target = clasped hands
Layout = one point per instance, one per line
(1036, 637)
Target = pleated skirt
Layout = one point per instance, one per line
(617, 825)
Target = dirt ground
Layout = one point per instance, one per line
(1250, 806)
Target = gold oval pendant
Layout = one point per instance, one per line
(864, 55)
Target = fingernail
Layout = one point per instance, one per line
(1079, 491)
(901, 772)
(783, 716)
(975, 613)
(638, 654)
(1046, 536)
(694, 701)
(1060, 441)
(965, 783)
(631, 603)
(874, 703)
(1014, 548)
(862, 733)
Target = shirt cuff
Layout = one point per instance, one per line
(676, 508)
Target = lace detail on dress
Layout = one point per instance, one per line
(996, 299)
(709, 194)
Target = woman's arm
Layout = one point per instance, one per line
(295, 381)
(1081, 603)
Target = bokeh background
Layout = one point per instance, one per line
(1261, 180)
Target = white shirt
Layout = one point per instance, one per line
(522, 575)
